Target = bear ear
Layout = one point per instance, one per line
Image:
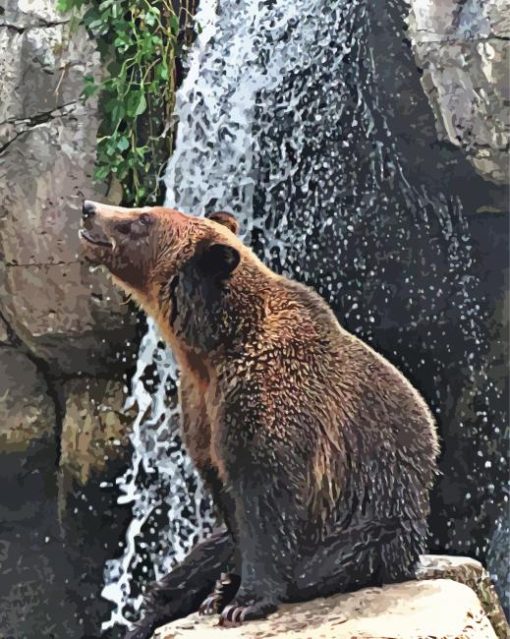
(225, 219)
(219, 260)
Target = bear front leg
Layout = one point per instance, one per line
(264, 461)
(267, 523)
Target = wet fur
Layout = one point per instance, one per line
(319, 454)
(326, 452)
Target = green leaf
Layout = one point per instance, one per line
(110, 104)
(136, 104)
(132, 103)
(163, 71)
(111, 148)
(150, 19)
(90, 86)
(88, 90)
(118, 112)
(101, 172)
(63, 6)
(174, 24)
(123, 143)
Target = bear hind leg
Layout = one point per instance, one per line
(365, 555)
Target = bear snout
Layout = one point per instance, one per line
(88, 209)
(91, 234)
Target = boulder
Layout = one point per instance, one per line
(471, 573)
(94, 430)
(463, 50)
(453, 598)
(4, 333)
(27, 412)
(436, 609)
(47, 152)
(28, 437)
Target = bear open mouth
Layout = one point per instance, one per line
(91, 238)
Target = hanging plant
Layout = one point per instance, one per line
(140, 43)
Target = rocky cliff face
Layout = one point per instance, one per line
(47, 147)
(462, 47)
(63, 330)
(56, 314)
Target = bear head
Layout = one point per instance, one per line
(176, 266)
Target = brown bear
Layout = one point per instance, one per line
(318, 452)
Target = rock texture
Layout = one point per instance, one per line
(453, 599)
(462, 47)
(57, 319)
(434, 609)
(47, 151)
(27, 412)
(94, 427)
(471, 573)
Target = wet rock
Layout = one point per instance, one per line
(47, 150)
(471, 573)
(28, 436)
(63, 315)
(462, 49)
(94, 430)
(94, 451)
(439, 608)
(4, 333)
(23, 14)
(27, 412)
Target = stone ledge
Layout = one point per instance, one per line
(431, 609)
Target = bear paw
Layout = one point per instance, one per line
(224, 591)
(244, 609)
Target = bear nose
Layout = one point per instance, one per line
(88, 209)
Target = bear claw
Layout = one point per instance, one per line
(223, 592)
(235, 614)
(210, 605)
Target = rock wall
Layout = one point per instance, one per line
(65, 337)
(462, 47)
(62, 314)
(59, 320)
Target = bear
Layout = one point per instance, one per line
(318, 453)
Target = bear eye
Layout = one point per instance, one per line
(124, 228)
(145, 219)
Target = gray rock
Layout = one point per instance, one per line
(4, 333)
(47, 151)
(412, 610)
(94, 429)
(463, 50)
(27, 412)
(24, 14)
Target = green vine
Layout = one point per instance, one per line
(140, 43)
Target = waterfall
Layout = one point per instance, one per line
(292, 117)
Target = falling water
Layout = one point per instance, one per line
(297, 116)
